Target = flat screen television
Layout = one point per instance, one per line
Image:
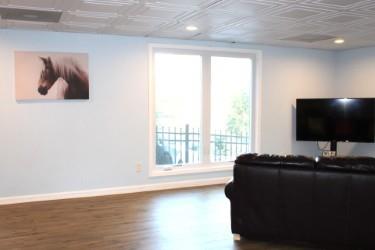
(341, 119)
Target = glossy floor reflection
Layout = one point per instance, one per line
(186, 219)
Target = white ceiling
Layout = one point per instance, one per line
(245, 21)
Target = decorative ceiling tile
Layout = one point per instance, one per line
(298, 13)
(210, 20)
(100, 7)
(366, 9)
(265, 21)
(262, 25)
(242, 6)
(190, 3)
(309, 38)
(92, 14)
(157, 12)
(116, 3)
(341, 3)
(139, 26)
(303, 27)
(344, 18)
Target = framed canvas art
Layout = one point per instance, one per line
(51, 76)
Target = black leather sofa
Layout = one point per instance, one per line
(327, 202)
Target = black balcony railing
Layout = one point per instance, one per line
(179, 146)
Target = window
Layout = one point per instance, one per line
(203, 105)
(231, 81)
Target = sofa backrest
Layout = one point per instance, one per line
(347, 164)
(276, 161)
(334, 164)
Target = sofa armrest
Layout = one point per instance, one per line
(229, 190)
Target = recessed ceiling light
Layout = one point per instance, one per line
(339, 41)
(191, 28)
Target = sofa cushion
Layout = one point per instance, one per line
(347, 164)
(288, 161)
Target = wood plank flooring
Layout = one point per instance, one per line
(185, 219)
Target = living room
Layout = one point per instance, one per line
(62, 161)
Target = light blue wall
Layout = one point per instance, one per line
(48, 147)
(355, 77)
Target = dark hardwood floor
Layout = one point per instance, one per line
(185, 219)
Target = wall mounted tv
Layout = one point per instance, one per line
(339, 119)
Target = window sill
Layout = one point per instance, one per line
(192, 169)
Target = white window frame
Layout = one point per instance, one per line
(256, 56)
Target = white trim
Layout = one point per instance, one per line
(191, 169)
(256, 113)
(151, 112)
(113, 191)
(258, 101)
(206, 109)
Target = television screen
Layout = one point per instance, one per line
(345, 119)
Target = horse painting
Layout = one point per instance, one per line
(67, 69)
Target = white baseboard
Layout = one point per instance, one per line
(112, 191)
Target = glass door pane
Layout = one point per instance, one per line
(178, 84)
(231, 82)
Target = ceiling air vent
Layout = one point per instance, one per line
(30, 15)
(309, 38)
